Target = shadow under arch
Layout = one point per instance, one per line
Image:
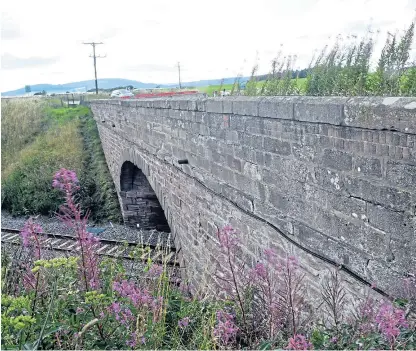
(140, 205)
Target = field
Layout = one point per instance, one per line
(211, 88)
(301, 84)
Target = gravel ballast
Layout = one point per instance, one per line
(112, 231)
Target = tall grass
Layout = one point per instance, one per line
(98, 192)
(21, 122)
(61, 137)
(26, 184)
(345, 70)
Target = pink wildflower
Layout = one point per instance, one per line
(29, 231)
(299, 342)
(260, 271)
(389, 320)
(228, 238)
(139, 298)
(115, 307)
(67, 181)
(132, 342)
(271, 256)
(367, 313)
(225, 330)
(184, 322)
(155, 271)
(29, 278)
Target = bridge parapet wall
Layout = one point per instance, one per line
(335, 176)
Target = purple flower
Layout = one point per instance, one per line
(260, 271)
(228, 238)
(29, 232)
(139, 297)
(115, 307)
(270, 255)
(65, 180)
(79, 310)
(132, 342)
(184, 322)
(389, 321)
(225, 331)
(299, 342)
(155, 271)
(71, 215)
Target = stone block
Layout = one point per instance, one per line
(391, 113)
(337, 160)
(311, 238)
(276, 107)
(246, 106)
(398, 224)
(319, 109)
(402, 175)
(354, 208)
(277, 146)
(214, 105)
(363, 189)
(368, 166)
(201, 105)
(304, 153)
(238, 197)
(234, 163)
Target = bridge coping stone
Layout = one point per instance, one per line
(380, 113)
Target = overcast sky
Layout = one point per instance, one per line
(41, 41)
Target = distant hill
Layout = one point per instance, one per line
(108, 83)
(80, 86)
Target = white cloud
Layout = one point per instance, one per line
(144, 40)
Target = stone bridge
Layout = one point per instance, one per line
(331, 180)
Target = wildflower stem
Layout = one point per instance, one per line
(47, 314)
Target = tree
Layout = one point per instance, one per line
(27, 89)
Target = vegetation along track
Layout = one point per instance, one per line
(110, 248)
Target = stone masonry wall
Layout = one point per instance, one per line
(140, 205)
(336, 175)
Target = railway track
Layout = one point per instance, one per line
(111, 248)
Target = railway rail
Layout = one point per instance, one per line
(107, 247)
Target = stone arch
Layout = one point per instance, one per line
(138, 198)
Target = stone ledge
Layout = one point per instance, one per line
(380, 113)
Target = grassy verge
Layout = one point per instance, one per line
(61, 138)
(99, 194)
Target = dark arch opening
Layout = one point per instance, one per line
(141, 208)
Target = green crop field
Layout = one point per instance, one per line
(211, 88)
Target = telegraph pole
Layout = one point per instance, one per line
(95, 62)
(179, 71)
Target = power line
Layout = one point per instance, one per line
(95, 62)
(179, 71)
